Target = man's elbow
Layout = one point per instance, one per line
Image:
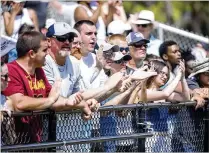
(20, 107)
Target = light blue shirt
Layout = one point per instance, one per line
(153, 46)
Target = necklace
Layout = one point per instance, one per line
(32, 86)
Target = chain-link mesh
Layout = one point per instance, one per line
(173, 129)
(184, 42)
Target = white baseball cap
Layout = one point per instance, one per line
(49, 22)
(107, 47)
(145, 17)
(119, 56)
(60, 29)
(117, 27)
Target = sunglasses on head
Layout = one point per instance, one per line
(61, 38)
(124, 48)
(142, 25)
(108, 54)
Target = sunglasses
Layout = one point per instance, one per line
(61, 38)
(124, 48)
(139, 45)
(142, 25)
(121, 61)
(5, 77)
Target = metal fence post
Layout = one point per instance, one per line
(52, 130)
(206, 138)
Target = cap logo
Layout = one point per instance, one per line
(138, 35)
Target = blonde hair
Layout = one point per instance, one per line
(116, 38)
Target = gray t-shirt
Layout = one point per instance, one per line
(70, 74)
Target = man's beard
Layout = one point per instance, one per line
(63, 53)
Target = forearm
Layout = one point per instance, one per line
(119, 99)
(133, 95)
(98, 93)
(9, 28)
(60, 104)
(172, 86)
(96, 14)
(185, 89)
(109, 17)
(32, 104)
(104, 95)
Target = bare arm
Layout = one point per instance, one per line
(9, 22)
(34, 18)
(165, 93)
(81, 14)
(25, 103)
(185, 89)
(121, 98)
(109, 17)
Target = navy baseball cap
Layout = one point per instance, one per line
(135, 37)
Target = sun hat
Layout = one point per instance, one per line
(144, 17)
(200, 67)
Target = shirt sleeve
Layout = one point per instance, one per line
(47, 84)
(192, 84)
(49, 73)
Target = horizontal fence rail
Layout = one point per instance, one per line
(142, 127)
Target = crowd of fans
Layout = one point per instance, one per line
(89, 54)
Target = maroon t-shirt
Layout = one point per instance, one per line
(29, 85)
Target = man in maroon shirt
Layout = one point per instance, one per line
(29, 89)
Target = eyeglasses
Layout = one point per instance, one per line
(142, 25)
(163, 73)
(5, 77)
(139, 45)
(121, 61)
(124, 48)
(61, 38)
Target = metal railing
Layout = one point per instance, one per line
(143, 127)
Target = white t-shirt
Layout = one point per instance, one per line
(88, 78)
(70, 74)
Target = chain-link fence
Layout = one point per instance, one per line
(161, 127)
(183, 38)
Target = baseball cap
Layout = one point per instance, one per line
(119, 56)
(19, 1)
(145, 17)
(117, 27)
(134, 37)
(49, 22)
(107, 47)
(60, 29)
